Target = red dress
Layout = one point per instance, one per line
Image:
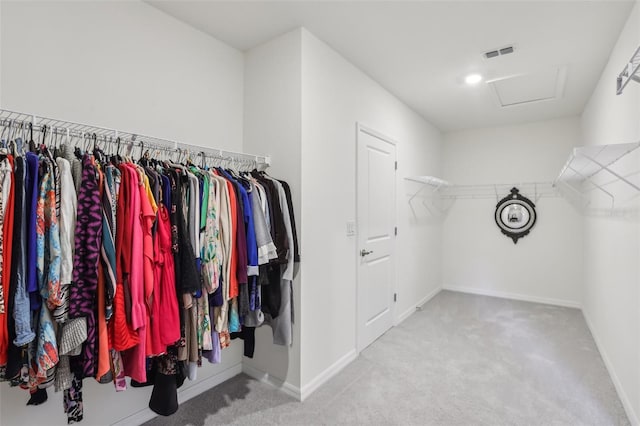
(121, 333)
(165, 318)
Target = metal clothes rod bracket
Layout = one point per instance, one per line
(25, 122)
(434, 182)
(591, 181)
(630, 72)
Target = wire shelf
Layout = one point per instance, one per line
(587, 170)
(630, 72)
(447, 190)
(23, 123)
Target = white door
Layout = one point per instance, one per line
(376, 216)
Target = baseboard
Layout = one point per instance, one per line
(184, 395)
(301, 393)
(406, 314)
(264, 377)
(626, 403)
(327, 374)
(514, 296)
(428, 297)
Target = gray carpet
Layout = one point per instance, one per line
(461, 360)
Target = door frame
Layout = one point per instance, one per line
(360, 128)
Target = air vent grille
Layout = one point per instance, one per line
(498, 52)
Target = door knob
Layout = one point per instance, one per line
(364, 252)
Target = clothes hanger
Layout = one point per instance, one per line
(53, 138)
(2, 135)
(48, 140)
(95, 142)
(77, 151)
(195, 164)
(43, 133)
(19, 140)
(128, 157)
(108, 146)
(14, 136)
(203, 158)
(32, 144)
(12, 148)
(67, 139)
(99, 153)
(116, 159)
(85, 142)
(60, 138)
(12, 130)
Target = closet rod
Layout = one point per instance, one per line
(23, 123)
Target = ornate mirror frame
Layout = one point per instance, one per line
(515, 215)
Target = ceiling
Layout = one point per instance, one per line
(421, 51)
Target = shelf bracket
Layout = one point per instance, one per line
(613, 198)
(630, 72)
(577, 192)
(422, 187)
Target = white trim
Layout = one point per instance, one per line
(624, 398)
(327, 374)
(561, 78)
(428, 297)
(415, 307)
(301, 393)
(514, 296)
(184, 394)
(360, 128)
(406, 314)
(375, 134)
(264, 377)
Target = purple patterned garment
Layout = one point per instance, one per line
(85, 266)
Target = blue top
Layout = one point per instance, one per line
(31, 202)
(252, 245)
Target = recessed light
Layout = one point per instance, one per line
(472, 79)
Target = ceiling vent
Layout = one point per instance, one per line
(499, 52)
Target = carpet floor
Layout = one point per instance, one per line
(460, 360)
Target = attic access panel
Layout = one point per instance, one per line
(535, 86)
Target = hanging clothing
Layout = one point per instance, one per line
(67, 225)
(22, 313)
(165, 319)
(85, 265)
(144, 269)
(31, 198)
(121, 331)
(134, 358)
(48, 269)
(6, 223)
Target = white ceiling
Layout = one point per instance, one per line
(421, 51)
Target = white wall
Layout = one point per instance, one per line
(124, 65)
(302, 103)
(545, 265)
(272, 121)
(336, 96)
(612, 245)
